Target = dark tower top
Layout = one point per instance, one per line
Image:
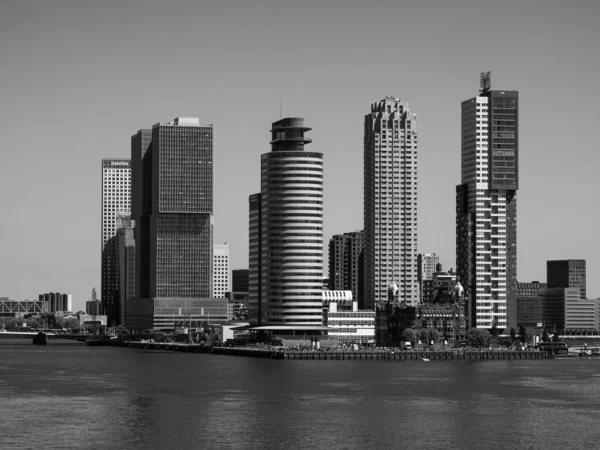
(288, 135)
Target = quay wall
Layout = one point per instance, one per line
(363, 355)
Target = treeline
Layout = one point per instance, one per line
(479, 338)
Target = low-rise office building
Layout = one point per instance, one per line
(350, 326)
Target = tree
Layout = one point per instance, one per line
(72, 324)
(545, 336)
(433, 335)
(494, 331)
(477, 337)
(523, 334)
(513, 335)
(530, 333)
(410, 335)
(555, 337)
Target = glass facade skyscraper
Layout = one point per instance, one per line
(568, 273)
(172, 205)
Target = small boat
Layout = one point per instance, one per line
(425, 359)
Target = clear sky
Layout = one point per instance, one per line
(79, 77)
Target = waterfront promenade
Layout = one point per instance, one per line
(341, 355)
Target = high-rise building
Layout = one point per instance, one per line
(239, 280)
(221, 282)
(286, 232)
(172, 207)
(426, 267)
(116, 202)
(94, 306)
(114, 273)
(390, 202)
(56, 302)
(486, 206)
(126, 268)
(569, 273)
(346, 263)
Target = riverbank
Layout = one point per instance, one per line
(341, 355)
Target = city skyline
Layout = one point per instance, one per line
(93, 86)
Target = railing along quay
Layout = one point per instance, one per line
(413, 355)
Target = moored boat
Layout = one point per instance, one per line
(102, 339)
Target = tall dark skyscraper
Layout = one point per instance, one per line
(286, 232)
(569, 273)
(346, 263)
(486, 206)
(390, 202)
(172, 205)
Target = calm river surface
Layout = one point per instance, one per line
(73, 396)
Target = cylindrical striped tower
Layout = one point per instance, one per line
(291, 229)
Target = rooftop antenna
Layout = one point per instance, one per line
(281, 106)
(292, 110)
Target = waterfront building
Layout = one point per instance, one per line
(350, 326)
(530, 305)
(390, 202)
(286, 235)
(172, 205)
(426, 267)
(554, 307)
(486, 206)
(221, 283)
(569, 273)
(346, 263)
(116, 204)
(581, 315)
(392, 319)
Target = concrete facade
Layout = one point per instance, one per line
(486, 239)
(390, 202)
(286, 232)
(221, 283)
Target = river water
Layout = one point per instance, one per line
(74, 396)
